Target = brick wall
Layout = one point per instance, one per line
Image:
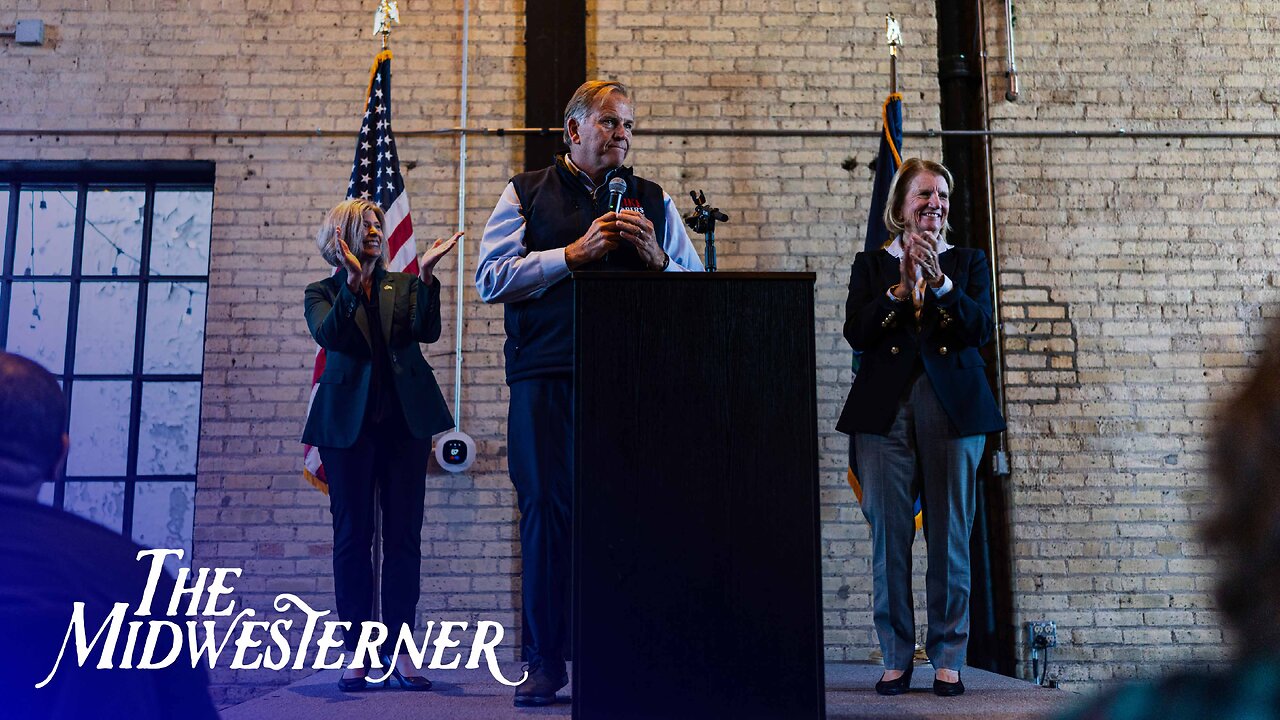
(1138, 275)
(1135, 272)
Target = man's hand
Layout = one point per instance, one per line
(599, 239)
(637, 230)
(433, 255)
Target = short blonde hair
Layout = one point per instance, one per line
(588, 97)
(911, 167)
(348, 215)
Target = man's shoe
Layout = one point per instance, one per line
(942, 688)
(896, 686)
(540, 687)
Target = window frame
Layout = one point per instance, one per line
(86, 177)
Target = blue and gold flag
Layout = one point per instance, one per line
(888, 160)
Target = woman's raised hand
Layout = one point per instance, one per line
(434, 254)
(906, 271)
(350, 263)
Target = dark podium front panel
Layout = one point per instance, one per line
(696, 537)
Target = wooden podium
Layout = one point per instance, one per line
(696, 590)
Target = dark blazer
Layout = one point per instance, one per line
(410, 314)
(950, 331)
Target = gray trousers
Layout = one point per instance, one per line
(922, 450)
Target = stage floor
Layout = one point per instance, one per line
(475, 695)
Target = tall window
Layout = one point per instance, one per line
(105, 280)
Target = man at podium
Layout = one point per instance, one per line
(585, 212)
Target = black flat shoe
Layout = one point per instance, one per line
(897, 686)
(942, 688)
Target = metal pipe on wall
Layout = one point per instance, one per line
(462, 215)
(1011, 68)
(964, 113)
(998, 492)
(1116, 134)
(1001, 457)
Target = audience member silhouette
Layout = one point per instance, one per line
(49, 560)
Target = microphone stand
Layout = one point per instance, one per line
(703, 220)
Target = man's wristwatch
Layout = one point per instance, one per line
(666, 260)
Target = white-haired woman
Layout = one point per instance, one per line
(375, 409)
(918, 310)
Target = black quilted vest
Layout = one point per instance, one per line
(558, 210)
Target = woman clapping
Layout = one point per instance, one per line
(375, 409)
(918, 310)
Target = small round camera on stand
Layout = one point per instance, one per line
(455, 451)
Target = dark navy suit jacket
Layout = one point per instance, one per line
(946, 340)
(410, 314)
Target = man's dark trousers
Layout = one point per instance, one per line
(540, 461)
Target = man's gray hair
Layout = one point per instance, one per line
(587, 97)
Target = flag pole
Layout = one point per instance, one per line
(386, 14)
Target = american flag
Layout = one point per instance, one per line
(375, 175)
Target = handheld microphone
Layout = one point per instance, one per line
(617, 188)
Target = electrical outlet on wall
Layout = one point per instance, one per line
(1045, 631)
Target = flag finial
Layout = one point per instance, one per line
(892, 34)
(893, 38)
(387, 14)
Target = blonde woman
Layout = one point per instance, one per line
(918, 310)
(376, 407)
